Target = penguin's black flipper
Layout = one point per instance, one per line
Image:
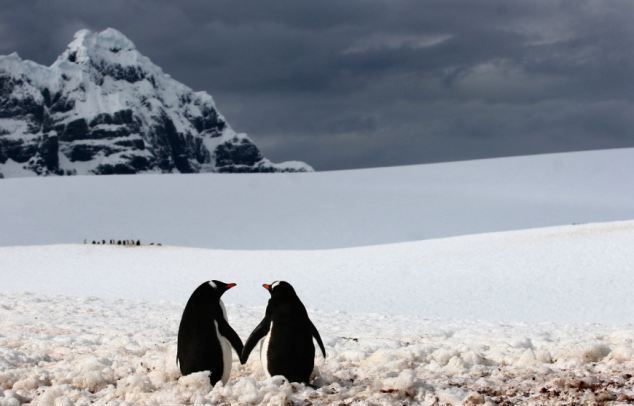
(260, 331)
(229, 333)
(317, 337)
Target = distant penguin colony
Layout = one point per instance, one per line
(286, 334)
(205, 337)
(126, 243)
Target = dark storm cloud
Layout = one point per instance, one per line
(343, 84)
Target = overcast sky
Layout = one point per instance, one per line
(360, 83)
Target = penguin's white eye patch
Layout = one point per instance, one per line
(212, 284)
(275, 284)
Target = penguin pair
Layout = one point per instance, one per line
(205, 337)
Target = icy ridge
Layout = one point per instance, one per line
(101, 88)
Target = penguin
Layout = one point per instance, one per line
(287, 336)
(205, 337)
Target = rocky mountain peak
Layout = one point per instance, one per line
(102, 107)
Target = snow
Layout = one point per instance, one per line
(15, 130)
(108, 44)
(15, 169)
(324, 209)
(569, 274)
(57, 350)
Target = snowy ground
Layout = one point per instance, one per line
(560, 274)
(549, 321)
(324, 209)
(62, 351)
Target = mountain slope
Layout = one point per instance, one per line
(104, 108)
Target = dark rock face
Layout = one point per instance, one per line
(103, 108)
(47, 152)
(236, 153)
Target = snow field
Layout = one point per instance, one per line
(569, 274)
(57, 350)
(324, 209)
(548, 310)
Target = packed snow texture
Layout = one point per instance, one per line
(58, 350)
(324, 209)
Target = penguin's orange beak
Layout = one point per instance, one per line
(230, 285)
(266, 286)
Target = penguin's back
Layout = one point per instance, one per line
(200, 346)
(289, 349)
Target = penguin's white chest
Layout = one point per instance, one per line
(264, 351)
(225, 346)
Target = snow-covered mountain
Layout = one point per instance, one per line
(104, 108)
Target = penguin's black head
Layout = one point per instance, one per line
(220, 287)
(280, 289)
